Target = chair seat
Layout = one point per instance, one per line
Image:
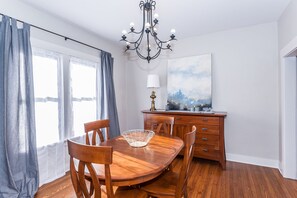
(126, 192)
(170, 183)
(162, 186)
(129, 192)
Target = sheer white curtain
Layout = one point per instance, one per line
(66, 98)
(48, 96)
(84, 91)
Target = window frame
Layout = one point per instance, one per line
(65, 115)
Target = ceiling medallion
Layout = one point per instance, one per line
(152, 46)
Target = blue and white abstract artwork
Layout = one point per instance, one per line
(189, 82)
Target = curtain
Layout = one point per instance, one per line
(18, 156)
(107, 95)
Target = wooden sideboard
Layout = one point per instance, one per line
(210, 143)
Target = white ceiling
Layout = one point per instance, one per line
(189, 17)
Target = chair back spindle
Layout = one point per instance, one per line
(88, 155)
(160, 124)
(99, 128)
(189, 140)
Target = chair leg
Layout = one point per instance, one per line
(186, 193)
(91, 188)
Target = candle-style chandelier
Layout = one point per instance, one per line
(153, 46)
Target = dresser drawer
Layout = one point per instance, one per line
(208, 120)
(206, 151)
(206, 139)
(186, 119)
(208, 129)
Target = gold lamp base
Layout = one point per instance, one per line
(153, 96)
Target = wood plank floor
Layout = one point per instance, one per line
(207, 179)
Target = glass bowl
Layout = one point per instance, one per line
(138, 137)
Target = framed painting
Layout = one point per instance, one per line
(189, 83)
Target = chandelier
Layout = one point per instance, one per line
(151, 48)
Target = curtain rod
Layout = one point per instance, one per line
(57, 34)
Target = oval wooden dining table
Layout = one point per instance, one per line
(132, 165)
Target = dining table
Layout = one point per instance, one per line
(135, 165)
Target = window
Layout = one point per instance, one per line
(65, 95)
(45, 72)
(83, 81)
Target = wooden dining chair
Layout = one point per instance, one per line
(87, 156)
(160, 124)
(170, 183)
(97, 128)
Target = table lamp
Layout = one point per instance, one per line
(153, 82)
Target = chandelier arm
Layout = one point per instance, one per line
(140, 55)
(157, 41)
(153, 4)
(141, 4)
(163, 48)
(135, 32)
(154, 25)
(160, 45)
(148, 49)
(136, 43)
(157, 54)
(166, 41)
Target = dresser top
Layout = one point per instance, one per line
(185, 113)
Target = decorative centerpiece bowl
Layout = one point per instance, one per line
(138, 137)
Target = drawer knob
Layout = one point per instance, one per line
(204, 129)
(204, 139)
(205, 150)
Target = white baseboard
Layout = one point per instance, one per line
(252, 160)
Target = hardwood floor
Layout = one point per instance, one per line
(207, 179)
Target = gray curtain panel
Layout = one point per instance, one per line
(108, 99)
(18, 156)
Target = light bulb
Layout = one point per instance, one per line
(147, 25)
(131, 24)
(172, 31)
(124, 32)
(156, 15)
(155, 29)
(127, 43)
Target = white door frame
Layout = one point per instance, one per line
(288, 119)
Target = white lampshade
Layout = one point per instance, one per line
(153, 81)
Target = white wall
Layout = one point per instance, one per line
(287, 28)
(245, 84)
(21, 11)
